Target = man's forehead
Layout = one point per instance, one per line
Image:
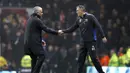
(41, 9)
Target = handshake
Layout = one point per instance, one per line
(60, 32)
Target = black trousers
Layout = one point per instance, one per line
(37, 61)
(88, 48)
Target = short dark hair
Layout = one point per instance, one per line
(81, 7)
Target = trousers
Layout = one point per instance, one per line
(88, 48)
(37, 61)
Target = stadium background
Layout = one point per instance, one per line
(62, 51)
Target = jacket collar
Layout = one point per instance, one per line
(85, 13)
(34, 14)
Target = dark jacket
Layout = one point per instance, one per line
(33, 35)
(87, 25)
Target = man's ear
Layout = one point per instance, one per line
(37, 12)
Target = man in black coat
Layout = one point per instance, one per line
(87, 23)
(33, 39)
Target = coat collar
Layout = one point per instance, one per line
(34, 14)
(85, 13)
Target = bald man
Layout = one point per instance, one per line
(33, 39)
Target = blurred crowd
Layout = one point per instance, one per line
(62, 51)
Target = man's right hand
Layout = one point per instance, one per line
(104, 39)
(60, 32)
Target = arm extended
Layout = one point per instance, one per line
(72, 28)
(42, 26)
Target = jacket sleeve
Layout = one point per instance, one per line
(96, 22)
(72, 28)
(43, 27)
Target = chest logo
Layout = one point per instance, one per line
(86, 20)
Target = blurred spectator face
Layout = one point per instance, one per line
(101, 15)
(56, 48)
(6, 27)
(121, 49)
(14, 23)
(19, 18)
(53, 24)
(112, 52)
(109, 23)
(77, 46)
(114, 25)
(109, 33)
(55, 5)
(102, 11)
(74, 33)
(118, 21)
(120, 52)
(59, 25)
(98, 1)
(125, 18)
(48, 6)
(72, 12)
(102, 6)
(0, 11)
(8, 19)
(114, 12)
(18, 33)
(22, 20)
(22, 31)
(46, 11)
(3, 45)
(50, 48)
(79, 11)
(62, 17)
(123, 29)
(9, 46)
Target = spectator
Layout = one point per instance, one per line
(120, 52)
(114, 59)
(128, 57)
(122, 61)
(62, 17)
(125, 40)
(26, 61)
(115, 35)
(3, 63)
(104, 60)
(72, 58)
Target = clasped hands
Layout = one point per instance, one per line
(60, 32)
